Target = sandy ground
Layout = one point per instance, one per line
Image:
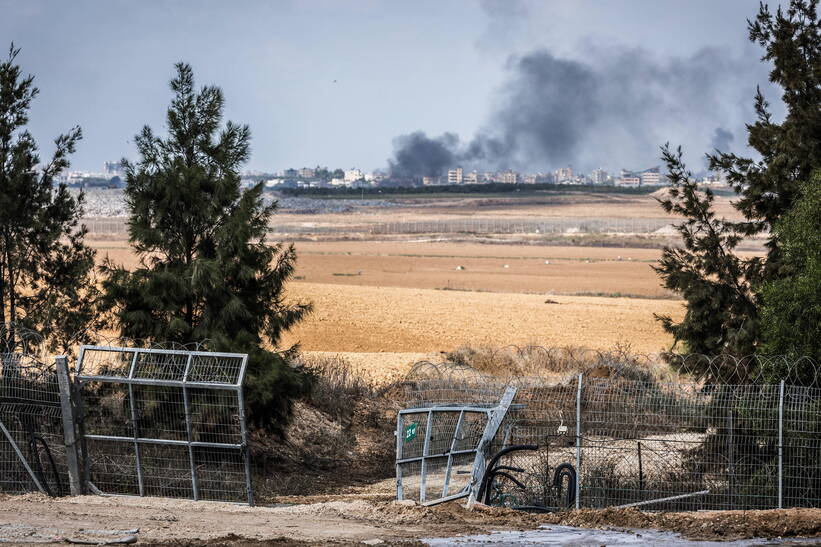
(387, 319)
(496, 268)
(33, 518)
(385, 305)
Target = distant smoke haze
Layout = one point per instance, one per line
(721, 140)
(613, 110)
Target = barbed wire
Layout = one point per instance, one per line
(542, 364)
(22, 346)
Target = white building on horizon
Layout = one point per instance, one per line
(353, 175)
(455, 176)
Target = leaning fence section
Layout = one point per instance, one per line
(164, 423)
(439, 448)
(617, 441)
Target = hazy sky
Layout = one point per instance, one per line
(334, 82)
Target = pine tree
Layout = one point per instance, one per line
(46, 271)
(206, 271)
(722, 290)
(791, 309)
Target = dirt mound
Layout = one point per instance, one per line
(706, 525)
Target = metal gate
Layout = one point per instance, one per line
(441, 451)
(163, 423)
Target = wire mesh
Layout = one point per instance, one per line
(166, 423)
(32, 447)
(646, 432)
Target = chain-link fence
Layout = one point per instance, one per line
(636, 434)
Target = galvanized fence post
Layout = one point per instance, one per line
(189, 429)
(425, 448)
(579, 442)
(135, 425)
(781, 445)
(69, 431)
(400, 437)
(246, 438)
(731, 457)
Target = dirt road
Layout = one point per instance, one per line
(33, 518)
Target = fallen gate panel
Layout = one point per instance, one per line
(164, 423)
(441, 451)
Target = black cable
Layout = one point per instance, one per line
(497, 473)
(565, 470)
(495, 459)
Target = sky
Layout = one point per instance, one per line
(526, 84)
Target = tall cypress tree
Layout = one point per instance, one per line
(206, 271)
(722, 290)
(46, 271)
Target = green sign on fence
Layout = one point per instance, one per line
(410, 431)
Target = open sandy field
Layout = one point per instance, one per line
(386, 304)
(375, 319)
(386, 301)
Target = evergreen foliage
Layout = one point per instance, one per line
(721, 314)
(791, 310)
(46, 271)
(206, 271)
(723, 290)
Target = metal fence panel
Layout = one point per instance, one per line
(164, 423)
(653, 443)
(32, 449)
(440, 449)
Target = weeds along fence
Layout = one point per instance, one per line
(619, 431)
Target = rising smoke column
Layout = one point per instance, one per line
(615, 110)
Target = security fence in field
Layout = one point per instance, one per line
(164, 423)
(118, 227)
(610, 437)
(544, 225)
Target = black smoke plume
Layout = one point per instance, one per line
(614, 109)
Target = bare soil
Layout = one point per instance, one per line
(34, 518)
(349, 318)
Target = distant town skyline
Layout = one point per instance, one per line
(343, 84)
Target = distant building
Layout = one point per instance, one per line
(472, 178)
(530, 178)
(599, 176)
(352, 175)
(113, 169)
(564, 174)
(430, 181)
(652, 178)
(455, 176)
(509, 177)
(629, 181)
(307, 173)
